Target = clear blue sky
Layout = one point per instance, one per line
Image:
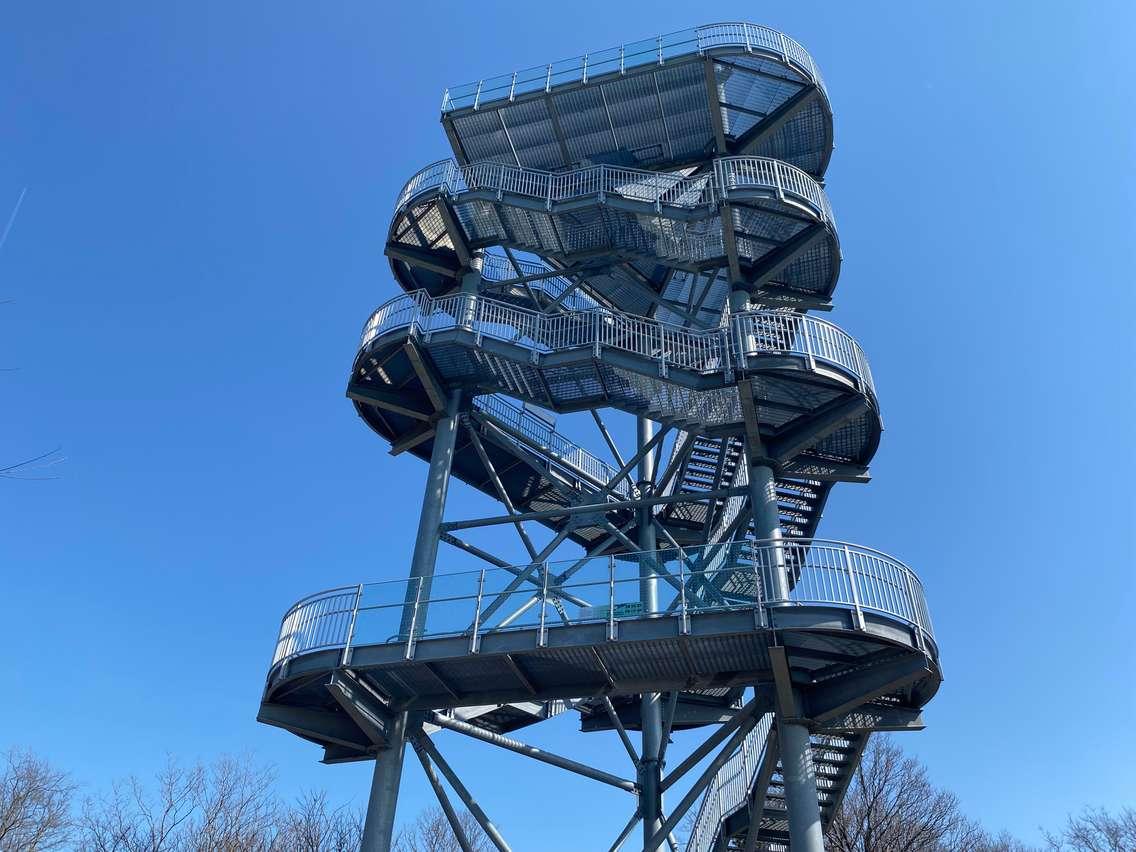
(209, 186)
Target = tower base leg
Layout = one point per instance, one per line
(378, 829)
(805, 834)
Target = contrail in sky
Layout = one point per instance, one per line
(12, 218)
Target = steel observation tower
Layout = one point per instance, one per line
(641, 230)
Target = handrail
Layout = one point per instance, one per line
(558, 448)
(718, 350)
(751, 38)
(662, 189)
(757, 575)
(496, 268)
(729, 788)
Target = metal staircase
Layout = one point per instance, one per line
(641, 230)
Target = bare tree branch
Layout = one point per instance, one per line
(35, 802)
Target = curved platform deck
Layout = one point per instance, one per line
(624, 232)
(852, 627)
(660, 103)
(811, 381)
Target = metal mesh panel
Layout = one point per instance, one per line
(584, 119)
(752, 92)
(572, 384)
(483, 138)
(682, 90)
(479, 220)
(534, 138)
(813, 271)
(849, 441)
(802, 140)
(634, 109)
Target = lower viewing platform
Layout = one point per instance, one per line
(850, 623)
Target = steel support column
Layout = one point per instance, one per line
(383, 801)
(650, 708)
(378, 829)
(805, 832)
(429, 522)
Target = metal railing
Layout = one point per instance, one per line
(729, 789)
(555, 446)
(662, 189)
(606, 589)
(718, 350)
(742, 36)
(496, 269)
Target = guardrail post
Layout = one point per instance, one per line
(599, 329)
(659, 46)
(513, 86)
(611, 598)
(727, 364)
(548, 80)
(346, 658)
(805, 333)
(410, 637)
(477, 94)
(684, 613)
(584, 78)
(859, 613)
(779, 180)
(542, 635)
(915, 612)
(475, 639)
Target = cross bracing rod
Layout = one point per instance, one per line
(555, 590)
(618, 725)
(740, 718)
(627, 829)
(703, 780)
(533, 752)
(595, 508)
(643, 452)
(607, 437)
(668, 723)
(497, 562)
(515, 583)
(443, 800)
(501, 492)
(426, 744)
(676, 462)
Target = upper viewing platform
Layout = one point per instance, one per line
(662, 103)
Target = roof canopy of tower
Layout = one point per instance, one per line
(662, 103)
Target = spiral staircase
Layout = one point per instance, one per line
(642, 230)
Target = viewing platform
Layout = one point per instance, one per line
(660, 103)
(852, 622)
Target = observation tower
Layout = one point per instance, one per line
(639, 233)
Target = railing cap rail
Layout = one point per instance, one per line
(443, 174)
(654, 51)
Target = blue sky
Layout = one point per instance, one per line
(208, 189)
